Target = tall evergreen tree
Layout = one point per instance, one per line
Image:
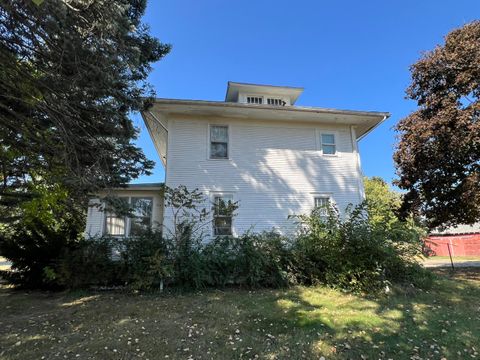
(71, 73)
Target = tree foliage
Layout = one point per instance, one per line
(48, 224)
(71, 72)
(383, 203)
(438, 155)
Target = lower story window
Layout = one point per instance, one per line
(142, 212)
(115, 225)
(136, 224)
(322, 203)
(222, 214)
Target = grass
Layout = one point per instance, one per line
(240, 324)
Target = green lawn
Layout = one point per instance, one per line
(239, 324)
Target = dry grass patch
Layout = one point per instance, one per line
(238, 324)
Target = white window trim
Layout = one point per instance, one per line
(128, 219)
(323, 195)
(211, 197)
(318, 140)
(229, 147)
(273, 97)
(242, 98)
(255, 96)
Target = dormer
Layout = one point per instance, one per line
(262, 94)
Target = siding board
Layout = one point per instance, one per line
(274, 169)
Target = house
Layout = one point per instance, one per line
(256, 148)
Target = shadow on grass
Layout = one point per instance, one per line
(303, 322)
(409, 324)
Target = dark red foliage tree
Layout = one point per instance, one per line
(438, 154)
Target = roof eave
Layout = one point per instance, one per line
(165, 101)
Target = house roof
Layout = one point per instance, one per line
(144, 186)
(458, 230)
(364, 121)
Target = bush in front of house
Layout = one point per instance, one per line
(348, 252)
(138, 263)
(352, 253)
(146, 261)
(88, 263)
(360, 251)
(252, 260)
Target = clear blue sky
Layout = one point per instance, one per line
(346, 54)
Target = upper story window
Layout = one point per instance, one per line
(276, 102)
(254, 100)
(328, 144)
(218, 142)
(222, 214)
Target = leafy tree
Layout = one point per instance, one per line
(438, 155)
(382, 202)
(49, 224)
(71, 72)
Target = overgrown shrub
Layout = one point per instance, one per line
(147, 261)
(365, 250)
(253, 260)
(89, 263)
(351, 253)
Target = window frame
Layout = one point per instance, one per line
(127, 219)
(327, 196)
(319, 141)
(132, 218)
(214, 195)
(282, 101)
(254, 96)
(209, 142)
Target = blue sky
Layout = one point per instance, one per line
(346, 54)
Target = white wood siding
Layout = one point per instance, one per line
(274, 169)
(96, 217)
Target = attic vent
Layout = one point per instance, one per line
(254, 100)
(277, 102)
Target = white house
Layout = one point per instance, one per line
(256, 147)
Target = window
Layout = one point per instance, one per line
(254, 100)
(115, 225)
(140, 221)
(218, 142)
(142, 211)
(323, 203)
(328, 144)
(277, 102)
(222, 214)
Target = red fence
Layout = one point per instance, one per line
(460, 245)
